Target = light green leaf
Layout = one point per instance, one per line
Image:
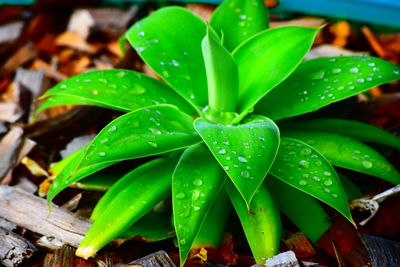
(145, 132)
(348, 153)
(154, 180)
(260, 222)
(267, 59)
(304, 168)
(239, 19)
(196, 182)
(66, 172)
(319, 82)
(122, 90)
(169, 41)
(151, 227)
(361, 131)
(245, 152)
(222, 75)
(303, 210)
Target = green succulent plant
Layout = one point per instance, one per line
(216, 124)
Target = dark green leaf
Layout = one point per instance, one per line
(212, 230)
(151, 227)
(169, 41)
(319, 82)
(260, 222)
(122, 90)
(246, 152)
(238, 20)
(120, 209)
(267, 59)
(303, 210)
(348, 153)
(361, 131)
(304, 168)
(145, 132)
(222, 75)
(196, 182)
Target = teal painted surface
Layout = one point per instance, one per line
(16, 2)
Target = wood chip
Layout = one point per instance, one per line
(157, 259)
(31, 212)
(9, 147)
(373, 42)
(13, 248)
(21, 57)
(300, 245)
(75, 41)
(382, 252)
(10, 32)
(284, 259)
(65, 257)
(81, 23)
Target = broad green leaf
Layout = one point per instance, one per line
(351, 189)
(239, 19)
(304, 168)
(245, 152)
(348, 153)
(319, 82)
(145, 132)
(260, 222)
(169, 41)
(267, 59)
(151, 227)
(196, 182)
(128, 205)
(222, 75)
(303, 210)
(361, 131)
(212, 229)
(122, 90)
(66, 172)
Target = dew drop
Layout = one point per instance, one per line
(334, 195)
(141, 34)
(197, 182)
(360, 80)
(304, 163)
(242, 159)
(112, 128)
(303, 182)
(180, 195)
(261, 138)
(138, 90)
(155, 131)
(63, 86)
(228, 158)
(182, 241)
(395, 72)
(354, 70)
(305, 152)
(152, 144)
(336, 70)
(102, 80)
(195, 208)
(367, 164)
(327, 190)
(104, 140)
(102, 153)
(371, 64)
(222, 151)
(328, 182)
(326, 173)
(318, 163)
(195, 195)
(316, 178)
(174, 63)
(340, 88)
(95, 92)
(226, 168)
(245, 174)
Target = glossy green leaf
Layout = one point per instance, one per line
(151, 227)
(128, 205)
(351, 189)
(304, 168)
(303, 210)
(122, 90)
(212, 229)
(197, 181)
(239, 19)
(267, 59)
(66, 172)
(261, 223)
(145, 132)
(169, 41)
(348, 153)
(222, 75)
(319, 82)
(358, 130)
(245, 152)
